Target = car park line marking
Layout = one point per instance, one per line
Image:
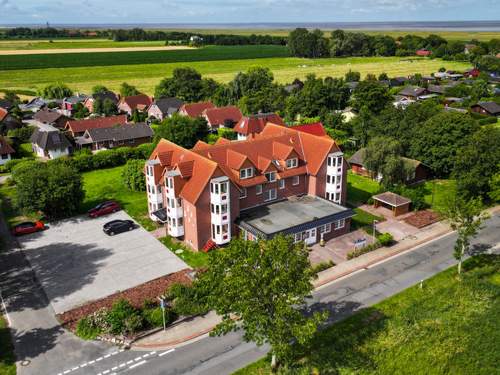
(145, 355)
(75, 368)
(137, 364)
(168, 351)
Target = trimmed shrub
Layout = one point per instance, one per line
(368, 248)
(385, 239)
(14, 162)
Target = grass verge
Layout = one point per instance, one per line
(195, 259)
(360, 189)
(451, 326)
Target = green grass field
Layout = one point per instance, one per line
(21, 44)
(360, 189)
(195, 259)
(147, 76)
(91, 59)
(450, 326)
(106, 184)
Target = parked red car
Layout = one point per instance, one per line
(104, 209)
(28, 227)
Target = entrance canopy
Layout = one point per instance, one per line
(290, 216)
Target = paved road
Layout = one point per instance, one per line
(223, 355)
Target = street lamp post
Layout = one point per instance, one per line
(162, 305)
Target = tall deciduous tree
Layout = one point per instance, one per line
(260, 287)
(128, 90)
(182, 130)
(133, 176)
(186, 84)
(372, 95)
(55, 91)
(465, 217)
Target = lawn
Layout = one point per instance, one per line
(438, 192)
(451, 326)
(195, 259)
(364, 220)
(106, 184)
(7, 358)
(146, 76)
(360, 189)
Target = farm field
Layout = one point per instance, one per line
(35, 44)
(450, 326)
(146, 76)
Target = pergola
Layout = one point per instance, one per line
(399, 205)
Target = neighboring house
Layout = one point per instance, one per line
(436, 89)
(89, 102)
(486, 108)
(51, 117)
(34, 105)
(474, 73)
(281, 181)
(222, 117)
(6, 151)
(164, 107)
(78, 127)
(249, 126)
(296, 85)
(417, 171)
(423, 52)
(50, 143)
(195, 109)
(130, 135)
(68, 104)
(314, 129)
(402, 102)
(129, 104)
(8, 122)
(347, 113)
(398, 81)
(352, 85)
(411, 92)
(469, 47)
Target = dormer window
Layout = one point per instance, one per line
(271, 176)
(292, 163)
(246, 173)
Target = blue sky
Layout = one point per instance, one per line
(243, 11)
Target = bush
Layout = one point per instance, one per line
(22, 134)
(488, 120)
(187, 300)
(153, 316)
(86, 329)
(416, 194)
(11, 164)
(368, 248)
(123, 318)
(323, 266)
(132, 175)
(385, 239)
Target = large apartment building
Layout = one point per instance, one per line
(280, 181)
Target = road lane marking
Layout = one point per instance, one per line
(98, 359)
(122, 365)
(92, 362)
(137, 358)
(105, 372)
(129, 362)
(137, 364)
(168, 351)
(114, 368)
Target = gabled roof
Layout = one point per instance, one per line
(75, 99)
(314, 129)
(196, 109)
(218, 116)
(5, 148)
(47, 116)
(49, 140)
(358, 158)
(255, 123)
(436, 89)
(392, 199)
(166, 105)
(412, 91)
(140, 101)
(3, 113)
(490, 107)
(78, 126)
(119, 133)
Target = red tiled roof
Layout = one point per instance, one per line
(217, 116)
(196, 109)
(140, 101)
(77, 126)
(3, 114)
(314, 129)
(255, 124)
(5, 148)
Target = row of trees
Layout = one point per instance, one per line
(47, 32)
(313, 44)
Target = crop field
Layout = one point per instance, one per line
(91, 59)
(146, 76)
(34, 44)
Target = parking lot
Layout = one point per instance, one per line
(76, 262)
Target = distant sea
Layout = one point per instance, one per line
(409, 25)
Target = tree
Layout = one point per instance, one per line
(128, 90)
(383, 157)
(186, 84)
(269, 99)
(489, 63)
(12, 97)
(182, 130)
(351, 76)
(138, 116)
(372, 95)
(479, 89)
(465, 217)
(80, 111)
(53, 188)
(133, 175)
(55, 91)
(248, 83)
(303, 43)
(477, 163)
(383, 77)
(109, 107)
(99, 89)
(261, 287)
(437, 140)
(494, 193)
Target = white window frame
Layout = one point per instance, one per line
(295, 180)
(246, 173)
(292, 163)
(268, 196)
(258, 189)
(281, 183)
(243, 193)
(339, 224)
(270, 176)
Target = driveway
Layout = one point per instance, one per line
(76, 262)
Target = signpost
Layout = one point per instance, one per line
(162, 305)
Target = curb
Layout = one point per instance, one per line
(173, 343)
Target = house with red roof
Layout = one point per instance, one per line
(423, 52)
(248, 126)
(76, 128)
(129, 104)
(314, 129)
(225, 117)
(280, 181)
(195, 109)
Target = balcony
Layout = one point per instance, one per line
(221, 239)
(177, 231)
(220, 219)
(175, 212)
(219, 198)
(155, 198)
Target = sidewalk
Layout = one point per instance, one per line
(199, 326)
